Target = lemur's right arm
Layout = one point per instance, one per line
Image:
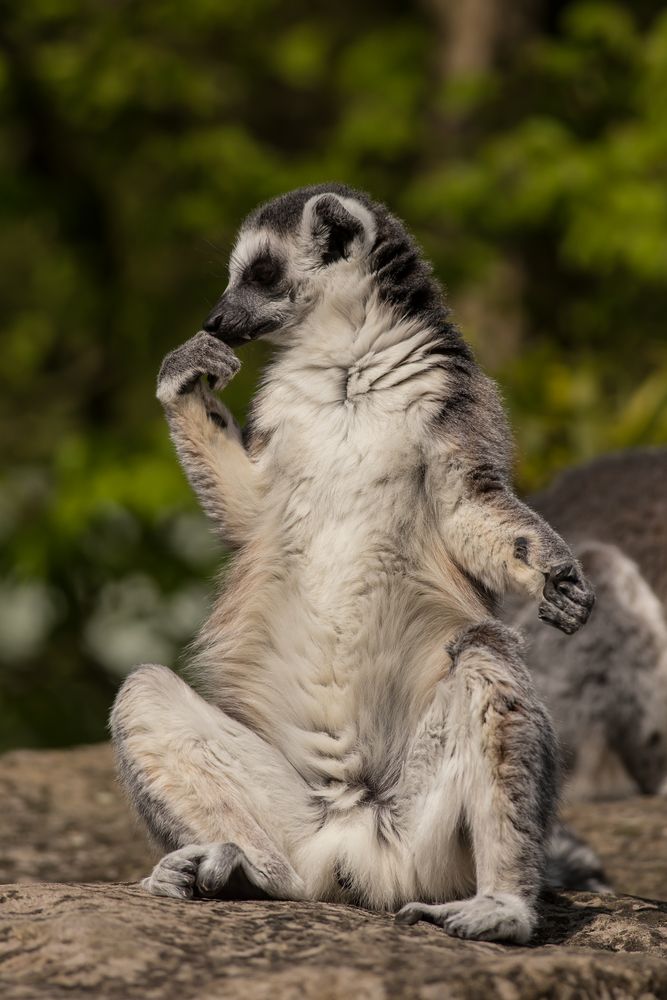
(206, 436)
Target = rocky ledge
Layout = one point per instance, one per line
(72, 924)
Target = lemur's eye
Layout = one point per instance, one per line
(265, 271)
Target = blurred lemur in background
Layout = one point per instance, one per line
(364, 728)
(607, 686)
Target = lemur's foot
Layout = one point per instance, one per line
(202, 355)
(214, 871)
(503, 917)
(568, 598)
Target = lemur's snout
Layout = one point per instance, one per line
(239, 316)
(230, 321)
(225, 315)
(212, 321)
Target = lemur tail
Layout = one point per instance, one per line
(572, 864)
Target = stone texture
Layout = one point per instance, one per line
(64, 821)
(114, 941)
(630, 835)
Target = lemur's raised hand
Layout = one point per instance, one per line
(207, 438)
(183, 368)
(365, 729)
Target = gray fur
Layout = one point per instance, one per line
(572, 864)
(364, 731)
(607, 686)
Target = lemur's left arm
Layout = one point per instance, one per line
(206, 436)
(486, 528)
(506, 545)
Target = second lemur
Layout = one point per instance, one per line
(363, 727)
(607, 687)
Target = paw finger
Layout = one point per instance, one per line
(578, 595)
(576, 611)
(175, 877)
(214, 872)
(409, 914)
(179, 865)
(558, 619)
(156, 887)
(171, 890)
(219, 354)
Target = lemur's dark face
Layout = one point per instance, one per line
(289, 255)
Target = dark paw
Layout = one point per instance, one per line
(568, 598)
(202, 355)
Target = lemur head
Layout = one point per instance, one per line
(321, 245)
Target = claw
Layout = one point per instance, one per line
(568, 599)
(407, 915)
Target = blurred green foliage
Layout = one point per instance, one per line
(135, 137)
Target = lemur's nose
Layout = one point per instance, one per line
(212, 322)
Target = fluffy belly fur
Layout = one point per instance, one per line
(335, 655)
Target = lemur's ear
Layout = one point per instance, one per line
(334, 226)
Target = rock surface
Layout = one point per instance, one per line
(630, 836)
(115, 941)
(64, 821)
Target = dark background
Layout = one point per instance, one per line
(526, 145)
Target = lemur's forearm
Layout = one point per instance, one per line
(207, 438)
(210, 449)
(502, 542)
(507, 546)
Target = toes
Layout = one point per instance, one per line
(413, 912)
(175, 874)
(162, 887)
(483, 919)
(206, 870)
(409, 914)
(176, 864)
(175, 877)
(158, 888)
(214, 871)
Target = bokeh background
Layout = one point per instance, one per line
(526, 145)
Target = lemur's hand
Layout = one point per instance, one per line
(202, 355)
(568, 597)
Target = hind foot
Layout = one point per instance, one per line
(503, 917)
(222, 871)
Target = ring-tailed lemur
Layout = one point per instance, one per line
(607, 686)
(365, 729)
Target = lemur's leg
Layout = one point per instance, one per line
(206, 436)
(224, 802)
(496, 785)
(506, 545)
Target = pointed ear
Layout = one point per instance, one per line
(334, 226)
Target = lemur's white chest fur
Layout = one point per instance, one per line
(344, 567)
